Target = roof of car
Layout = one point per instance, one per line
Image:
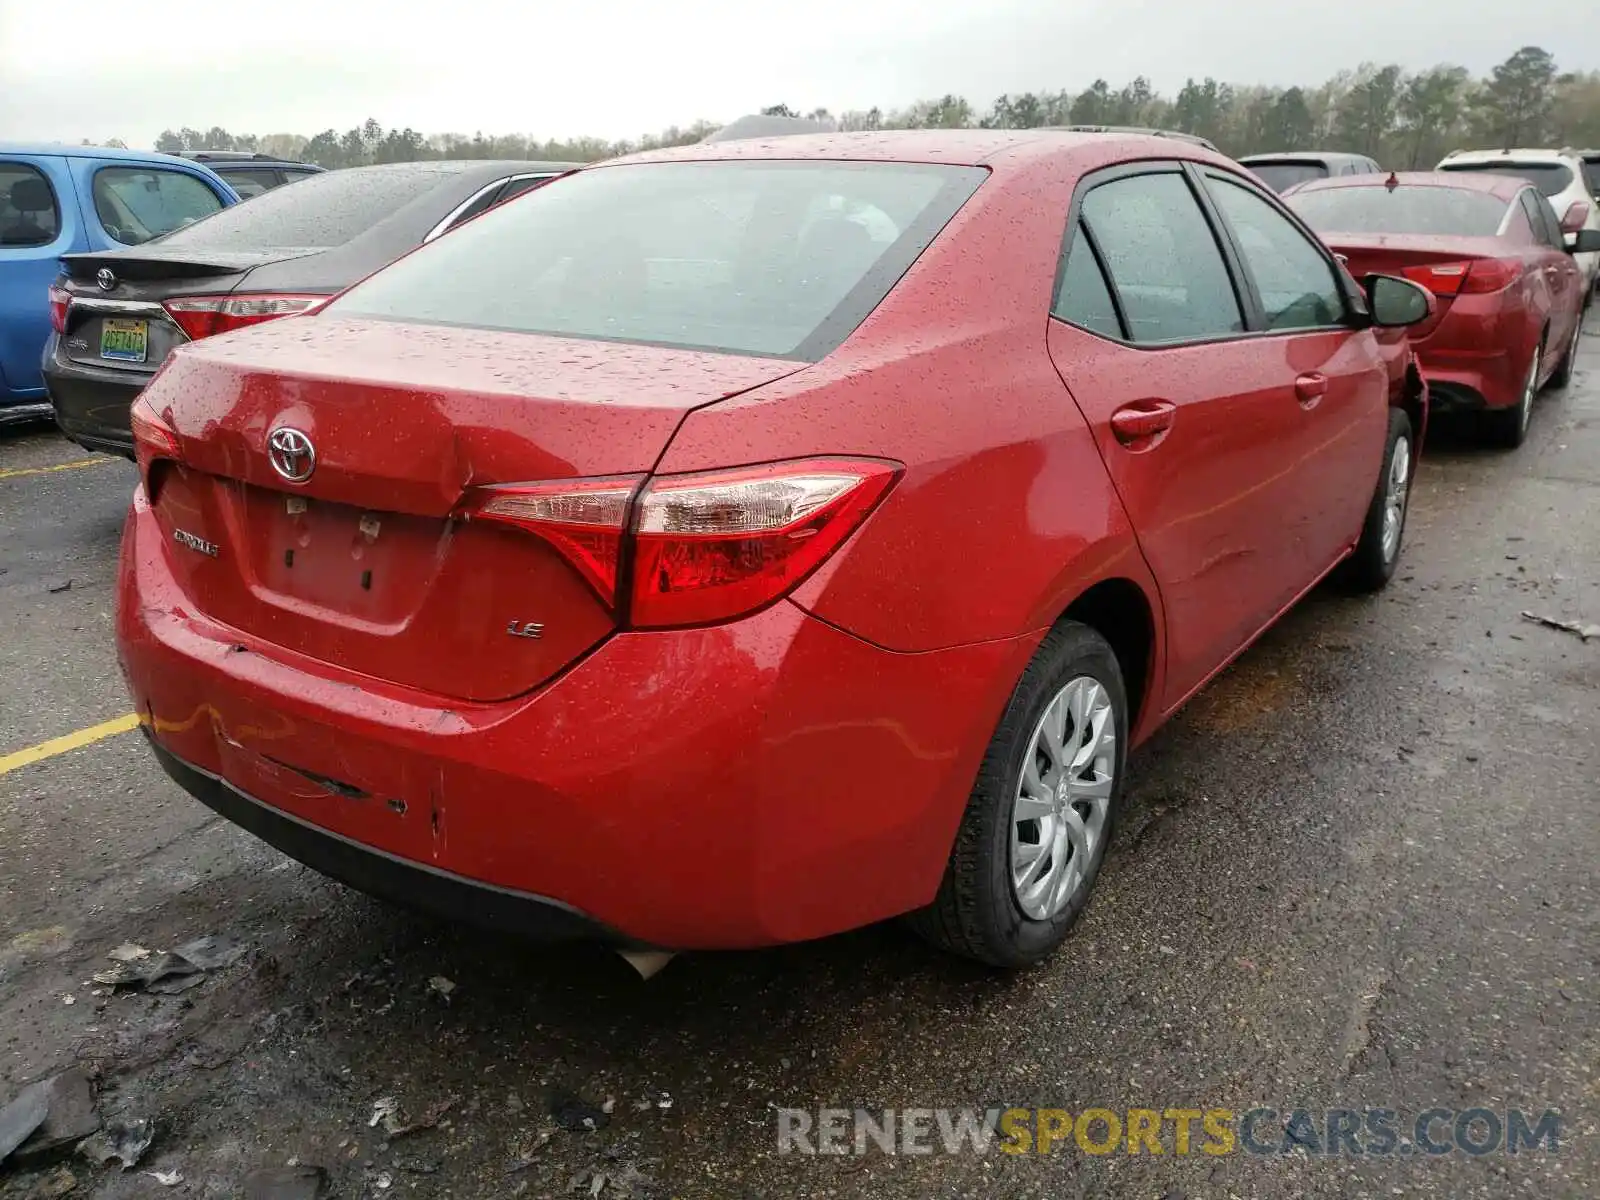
(1505, 187)
(1321, 156)
(63, 150)
(964, 147)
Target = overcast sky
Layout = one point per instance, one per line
(619, 68)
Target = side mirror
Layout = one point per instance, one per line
(1394, 302)
(1577, 213)
(1585, 241)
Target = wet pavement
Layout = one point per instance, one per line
(1361, 871)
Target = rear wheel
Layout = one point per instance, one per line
(1042, 810)
(1376, 555)
(1508, 427)
(1563, 375)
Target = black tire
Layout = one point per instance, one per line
(976, 913)
(1507, 428)
(1563, 373)
(1371, 566)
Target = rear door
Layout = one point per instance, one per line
(1149, 334)
(38, 222)
(1560, 272)
(1334, 375)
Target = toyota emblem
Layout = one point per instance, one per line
(106, 279)
(292, 454)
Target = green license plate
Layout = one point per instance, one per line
(125, 341)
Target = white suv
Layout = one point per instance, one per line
(1560, 175)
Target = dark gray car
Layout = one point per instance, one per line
(1283, 169)
(280, 254)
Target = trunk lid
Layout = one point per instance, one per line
(364, 564)
(1392, 253)
(124, 327)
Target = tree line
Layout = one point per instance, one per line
(1405, 119)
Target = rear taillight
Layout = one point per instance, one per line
(583, 519)
(60, 301)
(1471, 277)
(704, 548)
(153, 438)
(714, 546)
(206, 316)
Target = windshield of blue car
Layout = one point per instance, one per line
(324, 210)
(1375, 208)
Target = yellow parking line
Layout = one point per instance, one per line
(19, 472)
(69, 741)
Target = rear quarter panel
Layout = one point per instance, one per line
(1004, 514)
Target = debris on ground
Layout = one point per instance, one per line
(47, 1116)
(575, 1115)
(166, 1178)
(167, 973)
(442, 987)
(624, 1181)
(303, 1182)
(387, 1114)
(124, 1141)
(60, 585)
(1578, 627)
(647, 962)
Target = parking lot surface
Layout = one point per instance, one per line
(1358, 872)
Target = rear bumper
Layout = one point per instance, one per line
(769, 780)
(408, 884)
(91, 404)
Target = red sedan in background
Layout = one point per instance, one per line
(1490, 248)
(742, 543)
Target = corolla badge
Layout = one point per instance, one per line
(291, 453)
(106, 279)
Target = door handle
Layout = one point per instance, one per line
(1143, 423)
(1310, 388)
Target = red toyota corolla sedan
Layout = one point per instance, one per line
(737, 544)
(1490, 248)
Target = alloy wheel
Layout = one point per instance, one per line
(1396, 494)
(1063, 798)
(1529, 390)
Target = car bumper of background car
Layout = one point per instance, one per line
(91, 404)
(769, 780)
(1471, 381)
(24, 411)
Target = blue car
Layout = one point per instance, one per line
(57, 200)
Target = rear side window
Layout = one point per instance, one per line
(1373, 208)
(1283, 175)
(325, 210)
(515, 187)
(1296, 283)
(1163, 259)
(748, 257)
(1082, 297)
(1550, 178)
(1591, 176)
(249, 183)
(1531, 205)
(136, 204)
(29, 214)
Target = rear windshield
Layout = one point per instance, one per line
(1446, 210)
(768, 258)
(327, 209)
(1550, 178)
(1281, 175)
